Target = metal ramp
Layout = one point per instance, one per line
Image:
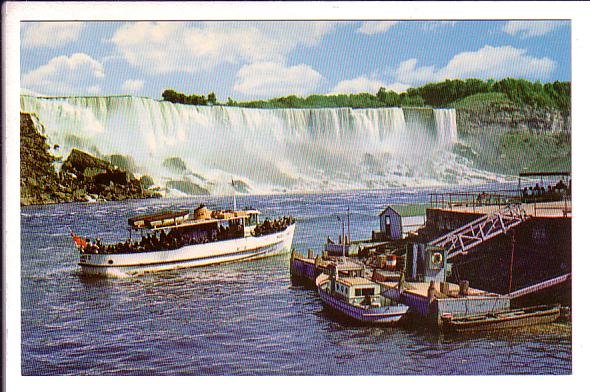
(540, 286)
(461, 240)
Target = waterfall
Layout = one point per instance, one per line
(446, 125)
(268, 150)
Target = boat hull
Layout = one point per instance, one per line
(190, 256)
(382, 315)
(303, 270)
(503, 320)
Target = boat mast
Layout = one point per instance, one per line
(511, 265)
(348, 217)
(343, 242)
(234, 192)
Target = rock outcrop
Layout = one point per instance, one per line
(82, 177)
(510, 117)
(507, 138)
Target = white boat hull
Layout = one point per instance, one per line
(241, 249)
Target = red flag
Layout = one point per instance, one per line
(79, 241)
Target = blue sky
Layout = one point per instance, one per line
(256, 60)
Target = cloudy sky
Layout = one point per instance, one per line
(253, 60)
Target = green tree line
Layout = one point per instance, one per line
(442, 94)
(176, 97)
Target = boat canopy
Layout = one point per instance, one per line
(545, 174)
(167, 219)
(164, 218)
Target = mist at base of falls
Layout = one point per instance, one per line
(264, 150)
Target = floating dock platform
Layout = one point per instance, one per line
(416, 296)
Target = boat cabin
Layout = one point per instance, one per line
(170, 229)
(358, 291)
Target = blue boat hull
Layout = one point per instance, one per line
(381, 315)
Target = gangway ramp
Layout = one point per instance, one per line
(540, 286)
(461, 240)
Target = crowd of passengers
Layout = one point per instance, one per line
(176, 239)
(151, 242)
(268, 227)
(551, 193)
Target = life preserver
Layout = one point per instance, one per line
(437, 258)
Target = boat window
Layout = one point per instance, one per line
(363, 292)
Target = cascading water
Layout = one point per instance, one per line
(268, 150)
(446, 126)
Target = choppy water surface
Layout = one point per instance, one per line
(234, 319)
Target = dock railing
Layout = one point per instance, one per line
(448, 200)
(542, 204)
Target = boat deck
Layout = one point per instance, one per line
(415, 296)
(421, 290)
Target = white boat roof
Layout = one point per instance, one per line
(199, 222)
(233, 215)
(356, 281)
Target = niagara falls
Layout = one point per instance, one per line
(269, 150)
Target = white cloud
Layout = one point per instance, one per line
(162, 47)
(24, 91)
(437, 24)
(270, 79)
(65, 75)
(95, 89)
(407, 72)
(487, 62)
(133, 85)
(363, 84)
(530, 28)
(50, 34)
(375, 27)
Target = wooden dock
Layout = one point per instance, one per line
(433, 308)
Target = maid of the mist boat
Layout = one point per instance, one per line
(358, 298)
(180, 239)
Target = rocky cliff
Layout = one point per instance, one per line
(510, 117)
(82, 177)
(498, 135)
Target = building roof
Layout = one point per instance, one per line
(389, 208)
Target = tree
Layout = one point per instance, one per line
(170, 95)
(211, 99)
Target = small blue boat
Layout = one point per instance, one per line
(358, 298)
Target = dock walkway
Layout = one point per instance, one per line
(486, 227)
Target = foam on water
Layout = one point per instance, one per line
(270, 150)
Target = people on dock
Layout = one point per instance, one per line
(539, 193)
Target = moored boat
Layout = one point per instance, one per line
(181, 239)
(511, 318)
(358, 298)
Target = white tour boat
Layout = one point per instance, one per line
(180, 239)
